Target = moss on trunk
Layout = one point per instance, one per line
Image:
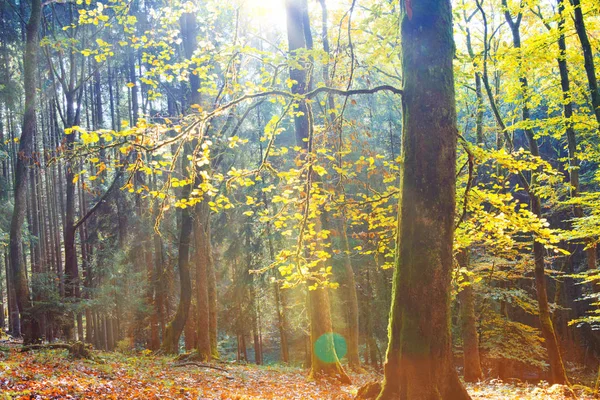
(419, 357)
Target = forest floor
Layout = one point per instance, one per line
(52, 374)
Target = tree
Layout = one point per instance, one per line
(557, 368)
(319, 309)
(23, 162)
(468, 319)
(419, 357)
(588, 57)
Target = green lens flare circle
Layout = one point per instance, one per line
(329, 345)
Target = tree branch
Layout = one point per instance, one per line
(339, 92)
(101, 200)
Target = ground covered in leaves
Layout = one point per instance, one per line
(52, 374)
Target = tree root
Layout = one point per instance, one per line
(193, 356)
(203, 365)
(369, 391)
(76, 350)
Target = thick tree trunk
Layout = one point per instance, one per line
(419, 361)
(14, 319)
(18, 269)
(189, 331)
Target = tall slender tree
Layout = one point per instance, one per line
(319, 305)
(26, 148)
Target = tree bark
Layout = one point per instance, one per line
(280, 297)
(588, 58)
(213, 309)
(18, 273)
(568, 114)
(419, 361)
(202, 260)
(71, 268)
(348, 288)
(174, 329)
(472, 361)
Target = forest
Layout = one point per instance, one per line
(299, 199)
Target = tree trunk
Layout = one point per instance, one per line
(213, 309)
(71, 268)
(472, 361)
(324, 360)
(419, 361)
(160, 290)
(588, 58)
(189, 331)
(202, 259)
(568, 114)
(281, 322)
(348, 288)
(175, 327)
(557, 369)
(18, 273)
(280, 297)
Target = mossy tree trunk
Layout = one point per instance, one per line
(419, 361)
